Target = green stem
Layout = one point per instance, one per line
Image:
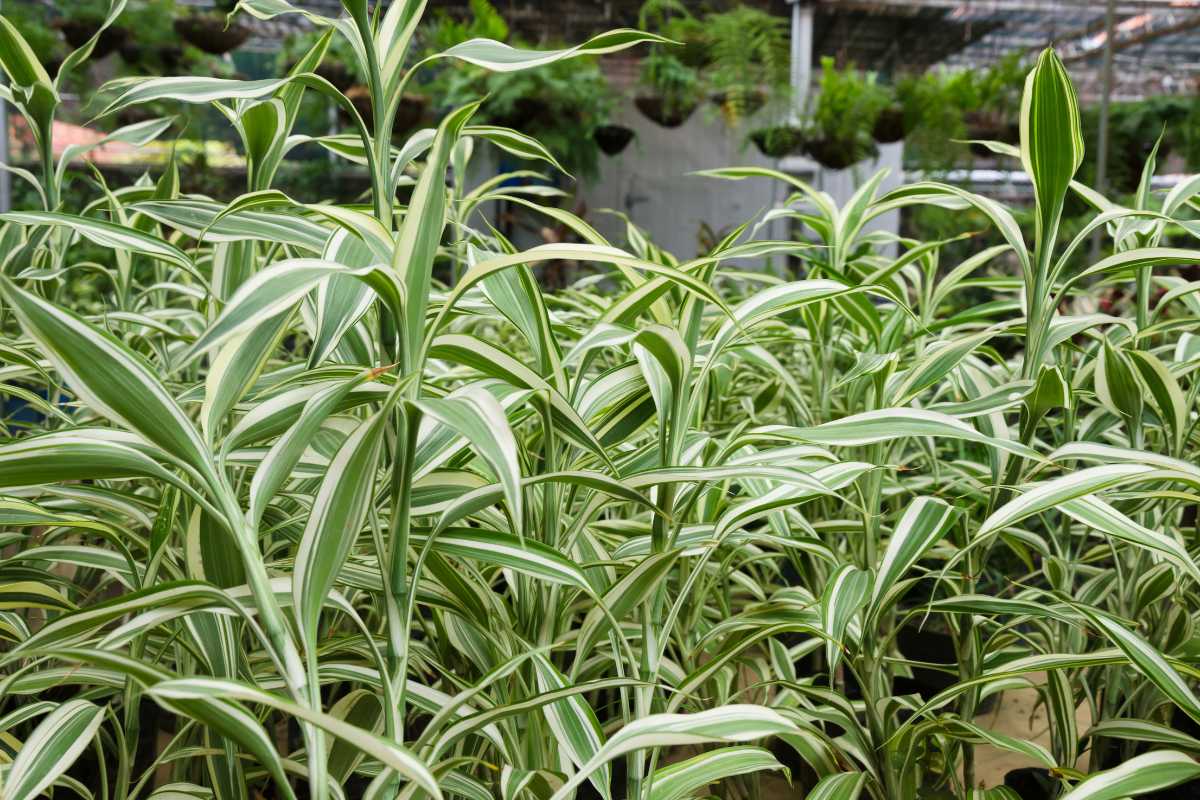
(270, 616)
(378, 150)
(399, 621)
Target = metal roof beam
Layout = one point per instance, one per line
(1154, 28)
(1124, 7)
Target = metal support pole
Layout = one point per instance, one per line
(1110, 24)
(802, 47)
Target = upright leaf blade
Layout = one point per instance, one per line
(52, 748)
(108, 376)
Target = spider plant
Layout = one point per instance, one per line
(334, 500)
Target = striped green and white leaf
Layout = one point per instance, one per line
(106, 234)
(574, 724)
(337, 515)
(840, 786)
(474, 413)
(685, 778)
(1147, 660)
(52, 748)
(845, 595)
(1139, 775)
(731, 723)
(885, 425)
(926, 520)
(110, 378)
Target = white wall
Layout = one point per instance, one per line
(650, 180)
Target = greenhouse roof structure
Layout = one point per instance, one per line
(1156, 42)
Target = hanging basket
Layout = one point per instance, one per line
(131, 115)
(335, 72)
(835, 153)
(779, 141)
(360, 97)
(523, 113)
(889, 126)
(209, 32)
(52, 64)
(992, 127)
(338, 74)
(696, 52)
(169, 59)
(77, 32)
(411, 112)
(669, 115)
(612, 139)
(736, 105)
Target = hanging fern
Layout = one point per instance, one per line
(750, 57)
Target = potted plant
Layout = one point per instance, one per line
(156, 48)
(990, 100)
(671, 90)
(847, 106)
(562, 105)
(890, 126)
(213, 31)
(411, 112)
(1134, 129)
(777, 141)
(893, 121)
(187, 60)
(612, 139)
(933, 121)
(81, 20)
(672, 19)
(337, 67)
(749, 60)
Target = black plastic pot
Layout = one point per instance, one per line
(131, 115)
(338, 74)
(931, 647)
(77, 32)
(523, 113)
(834, 153)
(612, 139)
(889, 126)
(335, 72)
(1031, 783)
(669, 115)
(169, 58)
(410, 112)
(52, 64)
(209, 32)
(779, 141)
(990, 127)
(751, 101)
